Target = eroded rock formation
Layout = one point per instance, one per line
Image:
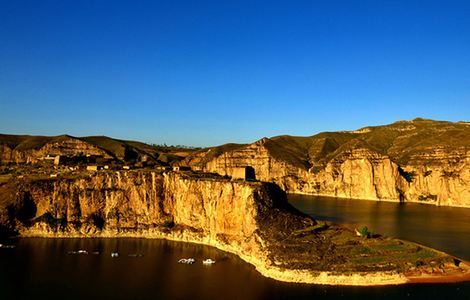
(250, 219)
(39, 147)
(25, 149)
(421, 161)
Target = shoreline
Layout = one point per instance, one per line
(375, 199)
(286, 275)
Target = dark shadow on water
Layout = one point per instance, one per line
(44, 269)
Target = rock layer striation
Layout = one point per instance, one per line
(417, 161)
(250, 219)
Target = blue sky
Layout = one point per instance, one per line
(204, 73)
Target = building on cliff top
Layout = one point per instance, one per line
(245, 173)
(162, 168)
(57, 160)
(181, 168)
(93, 168)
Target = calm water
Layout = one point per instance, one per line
(443, 228)
(43, 268)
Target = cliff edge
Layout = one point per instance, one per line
(421, 160)
(250, 219)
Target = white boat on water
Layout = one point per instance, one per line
(208, 261)
(78, 252)
(188, 261)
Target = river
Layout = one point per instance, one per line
(39, 268)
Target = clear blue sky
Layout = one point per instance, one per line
(208, 72)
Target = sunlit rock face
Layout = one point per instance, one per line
(38, 148)
(421, 161)
(249, 218)
(30, 150)
(232, 215)
(440, 176)
(140, 201)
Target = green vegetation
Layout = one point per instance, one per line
(364, 232)
(333, 248)
(393, 251)
(362, 250)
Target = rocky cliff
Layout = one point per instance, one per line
(139, 201)
(16, 150)
(420, 161)
(250, 219)
(25, 149)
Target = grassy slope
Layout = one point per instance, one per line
(403, 141)
(117, 148)
(28, 142)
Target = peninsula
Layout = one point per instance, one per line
(101, 187)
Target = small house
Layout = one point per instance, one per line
(57, 160)
(181, 168)
(245, 173)
(162, 168)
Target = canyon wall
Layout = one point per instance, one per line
(63, 146)
(139, 201)
(436, 176)
(250, 219)
(420, 160)
(236, 216)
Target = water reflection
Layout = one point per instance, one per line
(42, 268)
(444, 228)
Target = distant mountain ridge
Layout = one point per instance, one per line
(25, 148)
(420, 160)
(390, 162)
(403, 141)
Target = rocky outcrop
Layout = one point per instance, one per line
(25, 149)
(115, 201)
(421, 160)
(409, 161)
(42, 147)
(257, 155)
(250, 219)
(443, 180)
